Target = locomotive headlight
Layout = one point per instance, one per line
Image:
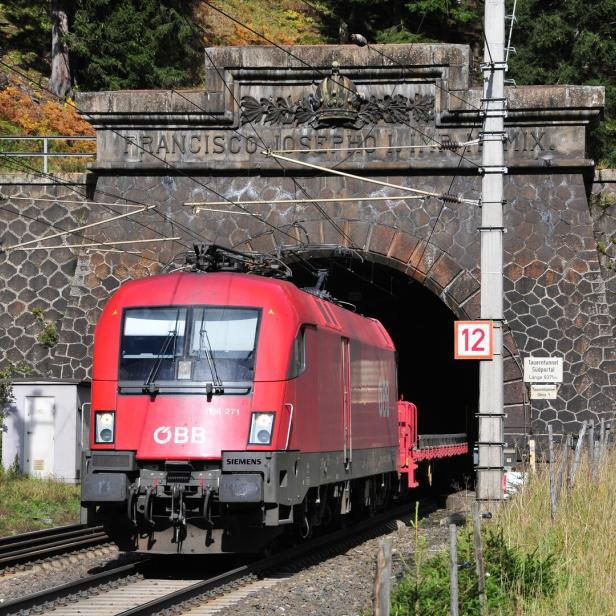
(104, 427)
(261, 428)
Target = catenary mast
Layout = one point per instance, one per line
(491, 412)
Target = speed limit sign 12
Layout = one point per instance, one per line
(473, 340)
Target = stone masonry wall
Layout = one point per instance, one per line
(38, 279)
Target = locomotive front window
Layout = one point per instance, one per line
(228, 336)
(188, 345)
(151, 336)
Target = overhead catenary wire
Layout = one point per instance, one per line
(55, 226)
(64, 200)
(513, 20)
(108, 206)
(445, 146)
(101, 250)
(112, 243)
(81, 228)
(233, 213)
(445, 197)
(133, 143)
(198, 204)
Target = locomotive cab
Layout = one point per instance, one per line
(227, 408)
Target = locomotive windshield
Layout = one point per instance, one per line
(188, 345)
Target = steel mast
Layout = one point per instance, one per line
(489, 489)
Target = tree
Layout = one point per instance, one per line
(60, 80)
(7, 374)
(120, 44)
(394, 21)
(25, 31)
(571, 42)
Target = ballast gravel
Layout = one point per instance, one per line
(342, 585)
(28, 579)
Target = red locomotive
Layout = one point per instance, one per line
(229, 407)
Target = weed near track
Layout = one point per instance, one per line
(31, 504)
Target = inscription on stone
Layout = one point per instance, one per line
(198, 146)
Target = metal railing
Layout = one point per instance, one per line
(45, 153)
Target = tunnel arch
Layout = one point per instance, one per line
(440, 286)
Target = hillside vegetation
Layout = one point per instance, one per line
(128, 44)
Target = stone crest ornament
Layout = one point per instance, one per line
(340, 102)
(337, 103)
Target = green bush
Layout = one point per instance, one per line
(49, 334)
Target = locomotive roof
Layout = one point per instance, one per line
(225, 288)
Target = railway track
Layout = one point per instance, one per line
(138, 589)
(41, 544)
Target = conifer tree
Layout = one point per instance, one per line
(123, 44)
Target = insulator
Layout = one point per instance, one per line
(450, 145)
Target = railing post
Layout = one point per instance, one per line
(453, 570)
(45, 152)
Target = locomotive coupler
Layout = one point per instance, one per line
(178, 512)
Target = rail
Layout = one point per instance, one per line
(23, 548)
(45, 153)
(307, 554)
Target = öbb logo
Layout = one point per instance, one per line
(179, 435)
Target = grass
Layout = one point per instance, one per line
(30, 504)
(581, 538)
(286, 22)
(535, 566)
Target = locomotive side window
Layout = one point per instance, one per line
(298, 354)
(188, 345)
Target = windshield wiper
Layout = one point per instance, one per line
(216, 387)
(148, 387)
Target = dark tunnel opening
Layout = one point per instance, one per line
(445, 390)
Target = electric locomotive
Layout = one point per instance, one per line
(228, 408)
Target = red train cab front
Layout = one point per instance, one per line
(186, 367)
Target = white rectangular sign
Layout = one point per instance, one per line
(473, 339)
(543, 369)
(544, 392)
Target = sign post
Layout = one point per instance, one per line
(544, 392)
(473, 340)
(544, 374)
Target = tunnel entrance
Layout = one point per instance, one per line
(445, 391)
